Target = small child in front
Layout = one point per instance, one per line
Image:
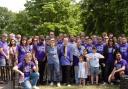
(93, 59)
(82, 70)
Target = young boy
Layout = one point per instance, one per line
(93, 59)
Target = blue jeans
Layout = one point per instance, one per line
(2, 62)
(31, 81)
(76, 74)
(54, 72)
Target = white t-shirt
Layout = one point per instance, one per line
(94, 61)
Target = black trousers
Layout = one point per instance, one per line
(108, 69)
(66, 72)
(41, 65)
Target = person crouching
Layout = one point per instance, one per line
(28, 71)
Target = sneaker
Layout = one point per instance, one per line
(111, 83)
(69, 85)
(51, 84)
(35, 87)
(58, 85)
(104, 83)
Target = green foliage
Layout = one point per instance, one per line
(60, 16)
(105, 15)
(66, 16)
(6, 18)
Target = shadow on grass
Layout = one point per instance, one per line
(81, 87)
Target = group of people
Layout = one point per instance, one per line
(82, 58)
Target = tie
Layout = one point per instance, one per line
(65, 51)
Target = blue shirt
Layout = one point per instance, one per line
(66, 60)
(5, 47)
(52, 55)
(124, 51)
(76, 53)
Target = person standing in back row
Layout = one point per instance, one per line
(39, 53)
(53, 62)
(4, 50)
(66, 59)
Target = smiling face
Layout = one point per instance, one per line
(28, 57)
(24, 41)
(118, 56)
(4, 37)
(52, 42)
(65, 41)
(13, 42)
(85, 52)
(29, 41)
(124, 40)
(81, 58)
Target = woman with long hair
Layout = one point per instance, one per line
(22, 49)
(109, 53)
(12, 52)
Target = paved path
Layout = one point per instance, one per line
(6, 86)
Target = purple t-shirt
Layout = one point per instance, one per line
(89, 48)
(5, 47)
(124, 51)
(22, 50)
(100, 48)
(26, 68)
(40, 51)
(122, 63)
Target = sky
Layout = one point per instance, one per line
(15, 5)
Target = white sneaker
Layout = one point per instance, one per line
(69, 85)
(104, 83)
(58, 85)
(51, 84)
(111, 83)
(35, 87)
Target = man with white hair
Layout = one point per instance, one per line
(66, 59)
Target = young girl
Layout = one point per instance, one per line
(28, 72)
(82, 70)
(85, 54)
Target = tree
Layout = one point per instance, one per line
(104, 15)
(61, 16)
(6, 18)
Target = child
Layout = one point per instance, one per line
(85, 55)
(28, 72)
(82, 70)
(93, 59)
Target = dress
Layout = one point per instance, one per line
(82, 72)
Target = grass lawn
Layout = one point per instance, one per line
(80, 87)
